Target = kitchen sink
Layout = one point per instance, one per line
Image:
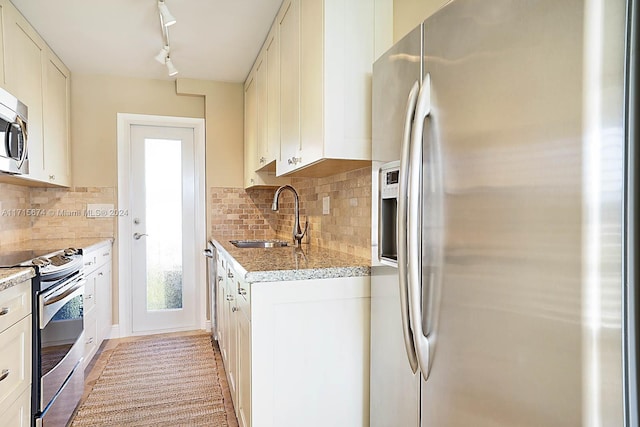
(258, 243)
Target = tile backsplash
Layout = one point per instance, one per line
(235, 212)
(49, 213)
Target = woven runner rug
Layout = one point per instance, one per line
(162, 381)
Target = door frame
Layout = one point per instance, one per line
(125, 304)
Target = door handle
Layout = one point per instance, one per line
(401, 227)
(137, 236)
(414, 232)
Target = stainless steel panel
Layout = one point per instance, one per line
(527, 109)
(65, 403)
(395, 389)
(394, 73)
(53, 380)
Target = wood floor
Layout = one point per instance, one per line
(99, 361)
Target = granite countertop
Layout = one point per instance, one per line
(18, 252)
(291, 263)
(10, 277)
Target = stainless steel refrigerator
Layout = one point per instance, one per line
(499, 286)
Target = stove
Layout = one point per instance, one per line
(58, 328)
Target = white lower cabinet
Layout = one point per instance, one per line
(15, 355)
(297, 352)
(97, 299)
(18, 414)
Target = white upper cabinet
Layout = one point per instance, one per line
(332, 55)
(289, 29)
(317, 62)
(39, 79)
(56, 121)
(259, 169)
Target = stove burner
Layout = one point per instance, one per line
(41, 262)
(71, 251)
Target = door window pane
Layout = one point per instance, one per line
(163, 182)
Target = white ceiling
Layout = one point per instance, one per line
(211, 40)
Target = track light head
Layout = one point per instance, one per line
(167, 18)
(172, 70)
(162, 56)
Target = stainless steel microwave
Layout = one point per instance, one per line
(14, 156)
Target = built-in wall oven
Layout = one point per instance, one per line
(58, 377)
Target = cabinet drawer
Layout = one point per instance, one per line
(90, 337)
(96, 258)
(15, 303)
(15, 361)
(18, 413)
(90, 294)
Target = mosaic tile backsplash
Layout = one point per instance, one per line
(235, 212)
(49, 213)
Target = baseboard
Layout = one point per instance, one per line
(115, 332)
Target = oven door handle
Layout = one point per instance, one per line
(65, 294)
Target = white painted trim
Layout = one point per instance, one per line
(114, 333)
(124, 123)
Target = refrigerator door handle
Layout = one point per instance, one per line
(414, 235)
(401, 226)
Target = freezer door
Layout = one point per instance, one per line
(521, 266)
(394, 73)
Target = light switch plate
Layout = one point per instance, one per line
(99, 210)
(325, 206)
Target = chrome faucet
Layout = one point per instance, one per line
(298, 234)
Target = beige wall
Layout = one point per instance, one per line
(224, 116)
(407, 14)
(95, 102)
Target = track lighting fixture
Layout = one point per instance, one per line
(166, 19)
(170, 67)
(165, 15)
(162, 56)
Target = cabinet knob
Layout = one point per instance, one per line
(88, 296)
(253, 181)
(230, 275)
(4, 310)
(90, 340)
(52, 177)
(101, 274)
(5, 374)
(220, 278)
(234, 309)
(242, 291)
(229, 297)
(263, 159)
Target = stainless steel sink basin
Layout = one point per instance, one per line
(258, 243)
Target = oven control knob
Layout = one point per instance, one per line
(40, 262)
(70, 251)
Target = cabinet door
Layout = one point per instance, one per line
(221, 308)
(289, 30)
(19, 413)
(232, 339)
(272, 55)
(312, 74)
(3, 19)
(103, 302)
(244, 370)
(56, 121)
(24, 70)
(250, 131)
(262, 112)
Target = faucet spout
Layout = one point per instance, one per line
(298, 234)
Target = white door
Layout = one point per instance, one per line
(163, 229)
